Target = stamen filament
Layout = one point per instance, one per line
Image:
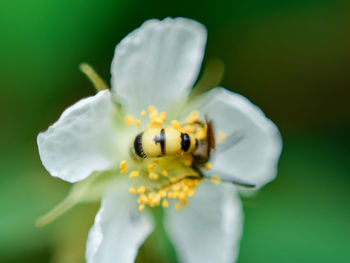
(96, 80)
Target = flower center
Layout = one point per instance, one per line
(165, 160)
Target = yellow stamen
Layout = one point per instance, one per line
(143, 113)
(165, 173)
(141, 189)
(162, 193)
(137, 122)
(178, 206)
(175, 124)
(151, 166)
(132, 190)
(187, 129)
(141, 207)
(142, 199)
(96, 80)
(153, 176)
(133, 174)
(165, 203)
(215, 179)
(207, 166)
(188, 160)
(151, 109)
(190, 193)
(129, 120)
(157, 121)
(122, 164)
(184, 201)
(163, 116)
(193, 117)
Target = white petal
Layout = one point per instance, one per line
(119, 229)
(82, 141)
(254, 158)
(157, 63)
(209, 228)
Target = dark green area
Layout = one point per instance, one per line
(292, 58)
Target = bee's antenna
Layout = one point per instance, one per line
(231, 140)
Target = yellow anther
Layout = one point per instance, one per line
(207, 166)
(143, 113)
(221, 137)
(124, 171)
(151, 109)
(129, 120)
(132, 190)
(176, 194)
(186, 188)
(122, 164)
(187, 129)
(165, 173)
(215, 179)
(165, 203)
(153, 176)
(151, 166)
(141, 189)
(133, 174)
(193, 117)
(141, 207)
(184, 201)
(190, 193)
(171, 195)
(174, 179)
(175, 124)
(176, 187)
(162, 116)
(137, 122)
(142, 199)
(157, 121)
(156, 199)
(162, 193)
(178, 206)
(188, 162)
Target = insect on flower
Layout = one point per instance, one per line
(196, 140)
(150, 141)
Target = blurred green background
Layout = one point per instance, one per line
(292, 58)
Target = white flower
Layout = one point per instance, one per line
(157, 65)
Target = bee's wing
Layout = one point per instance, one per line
(231, 141)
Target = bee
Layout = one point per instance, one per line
(168, 141)
(160, 142)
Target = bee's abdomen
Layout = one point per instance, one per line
(155, 142)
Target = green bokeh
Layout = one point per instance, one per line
(292, 58)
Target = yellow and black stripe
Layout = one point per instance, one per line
(155, 142)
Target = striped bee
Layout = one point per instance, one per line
(168, 141)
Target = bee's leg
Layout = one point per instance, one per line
(198, 171)
(232, 180)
